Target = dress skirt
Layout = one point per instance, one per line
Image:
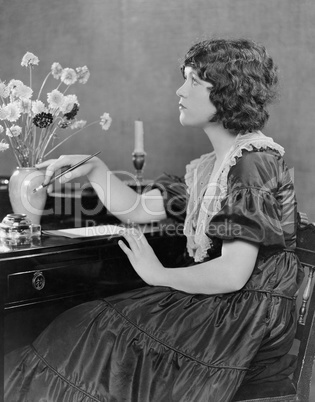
(158, 344)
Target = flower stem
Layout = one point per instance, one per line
(43, 84)
(34, 147)
(14, 152)
(66, 139)
(30, 76)
(46, 140)
(66, 89)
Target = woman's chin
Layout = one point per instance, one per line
(183, 121)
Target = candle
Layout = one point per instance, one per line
(139, 136)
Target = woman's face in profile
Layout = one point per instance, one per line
(195, 106)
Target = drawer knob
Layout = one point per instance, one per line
(38, 280)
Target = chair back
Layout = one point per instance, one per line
(305, 333)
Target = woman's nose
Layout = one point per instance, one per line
(181, 91)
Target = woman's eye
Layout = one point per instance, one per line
(194, 81)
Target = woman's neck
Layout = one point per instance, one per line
(221, 140)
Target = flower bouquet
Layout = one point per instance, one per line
(32, 126)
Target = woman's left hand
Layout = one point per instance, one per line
(142, 257)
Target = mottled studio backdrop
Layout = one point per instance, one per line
(133, 49)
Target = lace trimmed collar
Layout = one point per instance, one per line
(206, 196)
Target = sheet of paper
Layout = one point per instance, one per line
(101, 230)
(89, 231)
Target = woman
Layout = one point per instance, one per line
(195, 333)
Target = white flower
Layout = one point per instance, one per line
(13, 131)
(32, 124)
(106, 121)
(29, 59)
(56, 70)
(77, 125)
(3, 145)
(13, 110)
(68, 76)
(4, 90)
(25, 106)
(68, 103)
(22, 92)
(38, 107)
(83, 74)
(4, 113)
(55, 99)
(14, 84)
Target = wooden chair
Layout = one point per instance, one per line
(305, 333)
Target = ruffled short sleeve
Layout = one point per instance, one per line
(174, 192)
(253, 208)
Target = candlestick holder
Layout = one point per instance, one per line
(138, 159)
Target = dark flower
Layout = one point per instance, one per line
(71, 115)
(43, 119)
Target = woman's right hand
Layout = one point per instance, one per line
(65, 161)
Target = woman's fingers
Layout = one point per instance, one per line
(125, 248)
(143, 239)
(132, 239)
(50, 188)
(49, 171)
(44, 164)
(54, 165)
(141, 256)
(136, 240)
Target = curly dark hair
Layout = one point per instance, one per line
(244, 79)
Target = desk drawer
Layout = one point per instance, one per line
(51, 281)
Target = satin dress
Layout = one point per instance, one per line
(158, 344)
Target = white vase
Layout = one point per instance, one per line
(23, 200)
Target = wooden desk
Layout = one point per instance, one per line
(39, 282)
